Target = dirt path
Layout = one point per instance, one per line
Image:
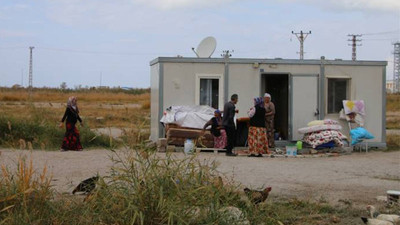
(358, 177)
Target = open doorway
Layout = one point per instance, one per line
(278, 86)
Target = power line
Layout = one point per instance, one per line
(354, 45)
(383, 33)
(301, 37)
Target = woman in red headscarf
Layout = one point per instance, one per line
(71, 139)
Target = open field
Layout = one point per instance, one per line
(127, 110)
(331, 190)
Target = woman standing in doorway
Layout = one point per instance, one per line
(71, 139)
(257, 139)
(269, 119)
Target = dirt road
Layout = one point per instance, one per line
(359, 177)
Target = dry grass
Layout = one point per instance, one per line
(144, 188)
(393, 141)
(393, 102)
(55, 95)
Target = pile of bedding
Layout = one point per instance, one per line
(318, 133)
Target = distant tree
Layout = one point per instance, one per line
(63, 86)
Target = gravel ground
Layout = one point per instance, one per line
(359, 177)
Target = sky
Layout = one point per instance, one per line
(111, 42)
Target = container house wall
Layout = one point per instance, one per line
(154, 104)
(180, 81)
(366, 83)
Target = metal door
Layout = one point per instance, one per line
(304, 102)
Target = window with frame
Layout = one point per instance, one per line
(337, 92)
(209, 92)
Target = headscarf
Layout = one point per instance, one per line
(267, 95)
(259, 101)
(71, 103)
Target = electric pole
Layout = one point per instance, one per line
(354, 45)
(396, 67)
(30, 70)
(22, 77)
(301, 37)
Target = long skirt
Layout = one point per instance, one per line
(270, 132)
(71, 139)
(220, 142)
(257, 139)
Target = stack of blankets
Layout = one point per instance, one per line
(320, 133)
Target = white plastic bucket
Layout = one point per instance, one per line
(291, 150)
(188, 146)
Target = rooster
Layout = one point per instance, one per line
(257, 196)
(87, 185)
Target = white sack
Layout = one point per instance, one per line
(188, 116)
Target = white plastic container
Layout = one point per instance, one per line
(188, 146)
(291, 150)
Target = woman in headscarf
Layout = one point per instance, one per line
(217, 130)
(257, 138)
(71, 139)
(269, 119)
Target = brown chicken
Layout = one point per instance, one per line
(257, 196)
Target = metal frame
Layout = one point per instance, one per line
(290, 97)
(160, 99)
(383, 138)
(267, 61)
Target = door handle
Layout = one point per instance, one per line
(316, 113)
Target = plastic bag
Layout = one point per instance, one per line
(359, 133)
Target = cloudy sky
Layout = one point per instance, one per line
(81, 41)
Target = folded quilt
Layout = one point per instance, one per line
(321, 137)
(316, 128)
(322, 122)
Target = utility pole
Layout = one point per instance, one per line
(22, 77)
(396, 67)
(30, 71)
(354, 45)
(301, 37)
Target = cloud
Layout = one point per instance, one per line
(354, 5)
(14, 34)
(183, 4)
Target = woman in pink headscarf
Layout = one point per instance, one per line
(71, 139)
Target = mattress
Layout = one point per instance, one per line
(316, 128)
(321, 137)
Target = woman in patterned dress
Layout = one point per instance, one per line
(257, 138)
(217, 130)
(71, 139)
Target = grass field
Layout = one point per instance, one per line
(35, 120)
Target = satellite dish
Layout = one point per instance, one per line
(206, 47)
